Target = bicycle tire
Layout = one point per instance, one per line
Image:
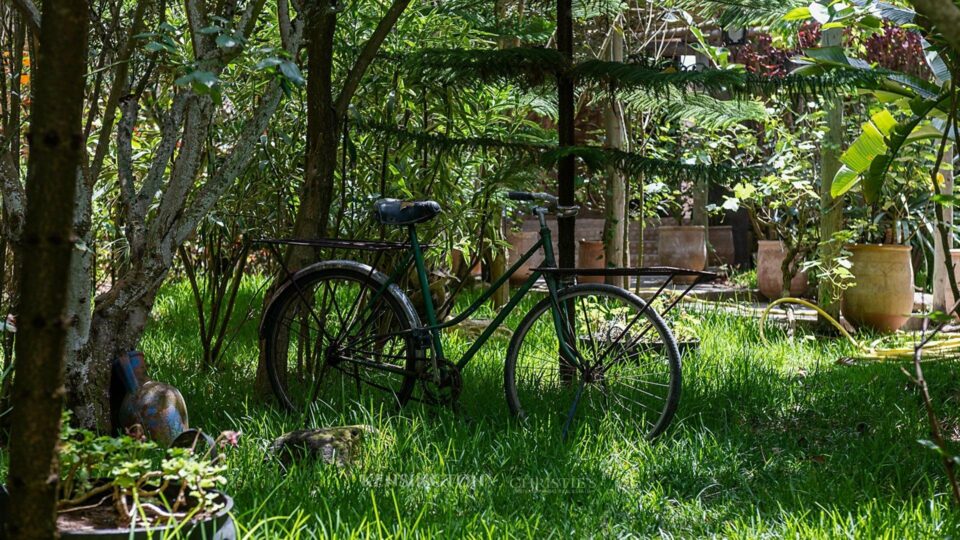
(544, 392)
(395, 307)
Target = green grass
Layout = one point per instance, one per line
(770, 440)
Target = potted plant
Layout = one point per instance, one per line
(783, 207)
(881, 293)
(126, 487)
(680, 245)
(885, 215)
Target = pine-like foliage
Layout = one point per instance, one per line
(704, 110)
(737, 83)
(527, 66)
(547, 153)
(530, 67)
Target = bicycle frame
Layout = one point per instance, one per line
(553, 286)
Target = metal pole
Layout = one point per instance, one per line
(566, 168)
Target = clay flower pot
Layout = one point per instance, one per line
(770, 255)
(520, 242)
(683, 246)
(721, 240)
(882, 298)
(591, 256)
(219, 526)
(459, 261)
(955, 263)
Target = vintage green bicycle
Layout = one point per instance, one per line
(340, 332)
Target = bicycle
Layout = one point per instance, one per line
(340, 331)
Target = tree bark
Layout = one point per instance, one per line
(831, 216)
(942, 295)
(615, 232)
(56, 145)
(325, 114)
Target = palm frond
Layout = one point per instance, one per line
(744, 13)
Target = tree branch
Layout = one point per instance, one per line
(367, 55)
(31, 15)
(170, 134)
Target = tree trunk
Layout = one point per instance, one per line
(115, 326)
(325, 113)
(323, 131)
(615, 239)
(56, 145)
(942, 295)
(831, 214)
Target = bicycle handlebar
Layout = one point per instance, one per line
(528, 196)
(551, 202)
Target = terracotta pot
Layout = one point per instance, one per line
(520, 242)
(591, 256)
(721, 240)
(882, 297)
(682, 246)
(459, 260)
(770, 255)
(219, 526)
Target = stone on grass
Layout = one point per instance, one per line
(334, 445)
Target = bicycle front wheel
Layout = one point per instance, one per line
(337, 338)
(624, 370)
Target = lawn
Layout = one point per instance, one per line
(770, 440)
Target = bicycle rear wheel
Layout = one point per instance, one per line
(337, 338)
(625, 371)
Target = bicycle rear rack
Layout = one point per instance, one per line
(336, 243)
(669, 274)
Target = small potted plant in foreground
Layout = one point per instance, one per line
(126, 487)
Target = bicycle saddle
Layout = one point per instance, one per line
(397, 212)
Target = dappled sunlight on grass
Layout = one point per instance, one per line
(769, 440)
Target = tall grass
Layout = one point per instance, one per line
(770, 440)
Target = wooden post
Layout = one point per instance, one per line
(831, 213)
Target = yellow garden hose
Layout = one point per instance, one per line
(873, 351)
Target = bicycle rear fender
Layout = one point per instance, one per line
(378, 276)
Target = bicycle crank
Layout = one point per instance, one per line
(445, 387)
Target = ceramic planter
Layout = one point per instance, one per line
(682, 246)
(520, 242)
(721, 240)
(770, 255)
(591, 256)
(882, 297)
(219, 526)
